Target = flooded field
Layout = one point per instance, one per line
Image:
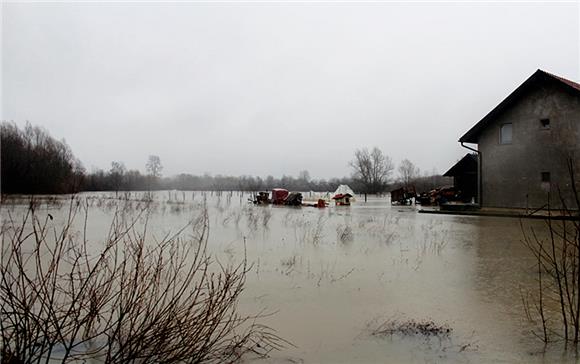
(340, 282)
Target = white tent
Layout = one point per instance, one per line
(344, 189)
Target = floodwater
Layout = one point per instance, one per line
(332, 276)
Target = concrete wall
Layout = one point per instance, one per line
(511, 173)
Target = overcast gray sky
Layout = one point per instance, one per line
(258, 88)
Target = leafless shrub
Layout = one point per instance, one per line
(288, 218)
(555, 305)
(334, 278)
(385, 230)
(252, 218)
(433, 245)
(365, 221)
(317, 231)
(289, 264)
(227, 219)
(424, 333)
(344, 234)
(266, 216)
(306, 230)
(125, 301)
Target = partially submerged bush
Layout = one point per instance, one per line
(424, 328)
(344, 234)
(127, 300)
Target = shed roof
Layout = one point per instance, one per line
(534, 80)
(467, 164)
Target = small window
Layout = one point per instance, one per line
(546, 177)
(545, 124)
(505, 134)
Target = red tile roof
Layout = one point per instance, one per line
(566, 81)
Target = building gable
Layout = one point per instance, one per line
(536, 80)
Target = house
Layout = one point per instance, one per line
(464, 175)
(527, 143)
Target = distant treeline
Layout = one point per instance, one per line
(251, 183)
(134, 180)
(35, 163)
(120, 179)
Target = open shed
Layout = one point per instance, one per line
(464, 175)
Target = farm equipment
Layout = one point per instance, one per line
(262, 198)
(439, 196)
(403, 195)
(293, 199)
(279, 196)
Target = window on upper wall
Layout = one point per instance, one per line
(505, 133)
(545, 124)
(546, 177)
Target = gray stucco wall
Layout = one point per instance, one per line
(512, 173)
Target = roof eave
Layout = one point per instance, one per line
(460, 163)
(469, 137)
(472, 136)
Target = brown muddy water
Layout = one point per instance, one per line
(332, 276)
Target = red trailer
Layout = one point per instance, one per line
(279, 196)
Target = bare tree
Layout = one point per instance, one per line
(130, 300)
(371, 169)
(154, 166)
(117, 174)
(303, 181)
(154, 169)
(556, 302)
(304, 175)
(408, 172)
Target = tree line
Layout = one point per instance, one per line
(118, 178)
(33, 162)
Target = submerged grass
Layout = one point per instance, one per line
(132, 298)
(411, 327)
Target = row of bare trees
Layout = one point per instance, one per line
(127, 299)
(207, 182)
(372, 173)
(119, 178)
(34, 162)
